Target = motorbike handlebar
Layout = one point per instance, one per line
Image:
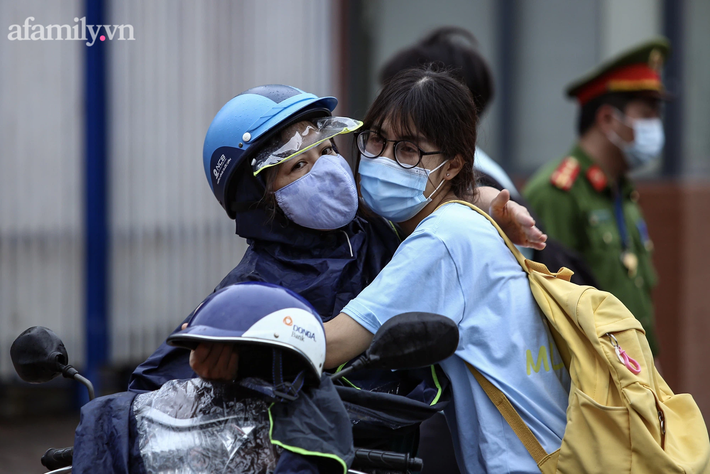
(371, 458)
(57, 458)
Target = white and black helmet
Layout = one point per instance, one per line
(284, 335)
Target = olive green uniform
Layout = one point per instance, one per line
(577, 207)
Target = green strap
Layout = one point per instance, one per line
(344, 379)
(438, 386)
(394, 229)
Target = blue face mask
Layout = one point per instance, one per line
(323, 199)
(393, 192)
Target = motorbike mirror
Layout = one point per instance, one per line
(38, 355)
(412, 340)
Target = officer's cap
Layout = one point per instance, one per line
(636, 70)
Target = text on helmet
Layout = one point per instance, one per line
(301, 333)
(219, 168)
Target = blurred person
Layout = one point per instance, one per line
(586, 199)
(455, 49)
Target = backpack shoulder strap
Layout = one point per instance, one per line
(510, 415)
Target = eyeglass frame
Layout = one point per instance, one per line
(422, 153)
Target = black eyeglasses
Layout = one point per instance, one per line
(407, 154)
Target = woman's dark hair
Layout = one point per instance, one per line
(452, 48)
(435, 105)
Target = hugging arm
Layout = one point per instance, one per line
(345, 339)
(514, 219)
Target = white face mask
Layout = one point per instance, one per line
(647, 144)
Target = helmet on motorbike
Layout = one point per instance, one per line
(260, 317)
(246, 123)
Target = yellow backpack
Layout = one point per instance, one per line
(620, 419)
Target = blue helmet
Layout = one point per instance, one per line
(244, 124)
(260, 317)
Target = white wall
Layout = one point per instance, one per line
(627, 22)
(556, 42)
(696, 93)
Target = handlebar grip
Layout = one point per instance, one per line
(57, 458)
(372, 458)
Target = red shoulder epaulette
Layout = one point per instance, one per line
(565, 174)
(597, 178)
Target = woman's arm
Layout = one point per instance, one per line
(344, 340)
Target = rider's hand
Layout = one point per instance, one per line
(215, 361)
(516, 222)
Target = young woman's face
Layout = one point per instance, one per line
(427, 161)
(289, 171)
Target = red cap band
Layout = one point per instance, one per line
(631, 78)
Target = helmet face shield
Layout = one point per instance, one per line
(300, 138)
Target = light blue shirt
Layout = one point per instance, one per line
(456, 264)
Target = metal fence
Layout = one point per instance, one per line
(170, 242)
(40, 180)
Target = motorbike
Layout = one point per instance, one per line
(407, 341)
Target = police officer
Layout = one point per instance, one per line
(586, 199)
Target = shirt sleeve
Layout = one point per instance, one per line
(422, 276)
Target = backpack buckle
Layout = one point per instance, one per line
(617, 347)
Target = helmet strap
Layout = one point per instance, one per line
(284, 391)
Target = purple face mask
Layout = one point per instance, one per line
(323, 199)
